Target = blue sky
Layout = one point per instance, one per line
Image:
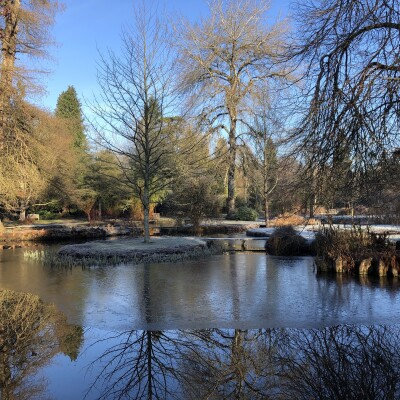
(87, 26)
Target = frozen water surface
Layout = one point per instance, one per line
(241, 290)
(146, 331)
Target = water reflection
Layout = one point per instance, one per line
(343, 362)
(142, 364)
(339, 362)
(242, 290)
(31, 333)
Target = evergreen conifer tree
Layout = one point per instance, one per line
(69, 108)
(81, 192)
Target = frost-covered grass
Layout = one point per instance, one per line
(132, 251)
(308, 231)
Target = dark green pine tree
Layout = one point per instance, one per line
(81, 192)
(69, 107)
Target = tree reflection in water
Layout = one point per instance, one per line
(143, 364)
(343, 362)
(31, 333)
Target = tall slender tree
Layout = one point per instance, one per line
(24, 29)
(224, 59)
(79, 189)
(69, 108)
(136, 93)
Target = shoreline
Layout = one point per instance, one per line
(27, 235)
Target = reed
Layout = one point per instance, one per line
(353, 250)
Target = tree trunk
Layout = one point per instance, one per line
(230, 202)
(9, 42)
(100, 211)
(266, 211)
(88, 212)
(8, 52)
(237, 365)
(22, 214)
(265, 177)
(9, 48)
(146, 215)
(313, 194)
(312, 200)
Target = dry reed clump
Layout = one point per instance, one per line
(286, 241)
(288, 219)
(356, 250)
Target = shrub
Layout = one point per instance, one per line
(240, 202)
(46, 215)
(194, 198)
(244, 214)
(286, 241)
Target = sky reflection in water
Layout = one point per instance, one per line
(150, 332)
(246, 291)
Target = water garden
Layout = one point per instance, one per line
(190, 320)
(218, 218)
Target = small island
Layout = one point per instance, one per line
(159, 249)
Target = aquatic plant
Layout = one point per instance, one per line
(355, 250)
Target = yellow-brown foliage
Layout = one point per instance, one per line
(137, 213)
(288, 219)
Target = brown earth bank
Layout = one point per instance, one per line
(22, 235)
(15, 236)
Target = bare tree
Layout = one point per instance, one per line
(266, 132)
(24, 29)
(351, 52)
(136, 92)
(223, 60)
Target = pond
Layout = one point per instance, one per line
(239, 325)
